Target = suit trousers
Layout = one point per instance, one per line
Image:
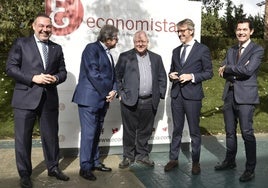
(242, 113)
(91, 121)
(179, 108)
(138, 122)
(24, 123)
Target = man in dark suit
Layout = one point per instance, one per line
(190, 66)
(142, 81)
(35, 95)
(96, 88)
(240, 96)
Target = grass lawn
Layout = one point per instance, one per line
(211, 117)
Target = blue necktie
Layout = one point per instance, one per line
(183, 54)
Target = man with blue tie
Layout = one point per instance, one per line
(240, 95)
(96, 88)
(37, 74)
(191, 65)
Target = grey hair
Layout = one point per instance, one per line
(190, 24)
(107, 32)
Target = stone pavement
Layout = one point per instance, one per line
(117, 178)
(138, 176)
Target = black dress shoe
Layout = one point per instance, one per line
(225, 165)
(87, 174)
(102, 167)
(58, 174)
(126, 162)
(25, 182)
(246, 176)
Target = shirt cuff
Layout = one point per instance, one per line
(193, 78)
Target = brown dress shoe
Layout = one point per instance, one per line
(170, 165)
(196, 169)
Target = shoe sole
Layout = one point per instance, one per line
(227, 168)
(246, 180)
(123, 166)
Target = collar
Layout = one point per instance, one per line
(191, 43)
(37, 40)
(103, 45)
(245, 44)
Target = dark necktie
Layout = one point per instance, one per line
(110, 57)
(45, 53)
(183, 54)
(239, 52)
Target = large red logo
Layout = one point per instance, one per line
(66, 15)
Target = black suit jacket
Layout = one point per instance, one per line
(24, 61)
(128, 78)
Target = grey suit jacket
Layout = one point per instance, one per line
(243, 73)
(24, 61)
(128, 78)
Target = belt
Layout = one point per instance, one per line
(145, 97)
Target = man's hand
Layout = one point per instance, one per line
(110, 96)
(173, 75)
(221, 70)
(44, 79)
(185, 78)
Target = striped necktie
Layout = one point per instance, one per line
(45, 53)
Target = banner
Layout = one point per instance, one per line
(77, 23)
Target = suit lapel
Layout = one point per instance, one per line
(153, 65)
(134, 62)
(50, 53)
(245, 52)
(191, 54)
(36, 51)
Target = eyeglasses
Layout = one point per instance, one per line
(182, 30)
(140, 41)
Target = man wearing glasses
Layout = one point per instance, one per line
(142, 81)
(190, 65)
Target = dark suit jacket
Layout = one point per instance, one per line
(24, 61)
(96, 78)
(199, 63)
(244, 73)
(128, 78)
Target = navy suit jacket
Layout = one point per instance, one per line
(243, 74)
(96, 78)
(128, 78)
(24, 61)
(198, 63)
